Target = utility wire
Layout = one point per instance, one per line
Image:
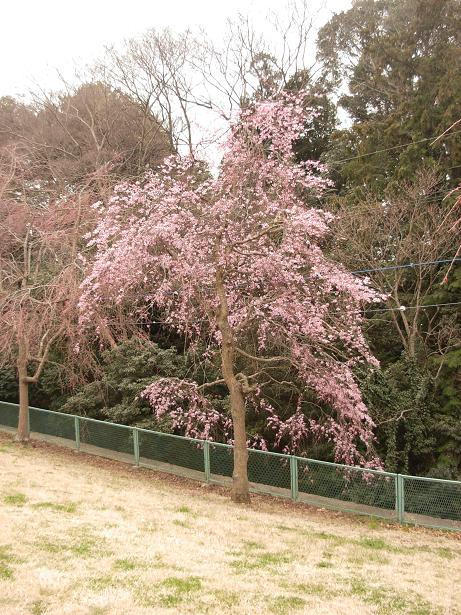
(394, 147)
(409, 265)
(436, 196)
(404, 308)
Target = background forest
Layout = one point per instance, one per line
(391, 70)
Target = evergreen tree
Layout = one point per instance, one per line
(396, 65)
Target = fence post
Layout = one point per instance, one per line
(136, 445)
(294, 478)
(77, 432)
(206, 460)
(400, 499)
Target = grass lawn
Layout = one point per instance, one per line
(82, 535)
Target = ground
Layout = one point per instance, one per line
(82, 535)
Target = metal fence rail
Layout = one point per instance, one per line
(406, 499)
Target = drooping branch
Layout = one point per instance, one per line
(262, 359)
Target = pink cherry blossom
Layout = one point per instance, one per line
(237, 261)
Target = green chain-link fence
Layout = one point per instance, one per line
(407, 499)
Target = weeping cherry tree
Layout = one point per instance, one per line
(237, 262)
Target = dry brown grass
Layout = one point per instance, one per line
(80, 535)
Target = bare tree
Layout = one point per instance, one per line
(187, 80)
(40, 275)
(250, 64)
(414, 224)
(155, 71)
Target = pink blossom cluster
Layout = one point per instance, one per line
(189, 411)
(161, 242)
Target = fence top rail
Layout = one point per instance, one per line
(10, 403)
(346, 467)
(169, 435)
(432, 480)
(220, 444)
(86, 418)
(271, 453)
(76, 416)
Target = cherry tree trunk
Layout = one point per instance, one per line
(240, 487)
(23, 420)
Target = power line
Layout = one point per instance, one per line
(409, 265)
(404, 308)
(435, 196)
(388, 149)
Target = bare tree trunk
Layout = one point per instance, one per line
(240, 487)
(23, 420)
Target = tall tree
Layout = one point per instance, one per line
(237, 261)
(400, 64)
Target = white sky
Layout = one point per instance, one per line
(40, 36)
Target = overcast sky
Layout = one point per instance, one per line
(40, 36)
